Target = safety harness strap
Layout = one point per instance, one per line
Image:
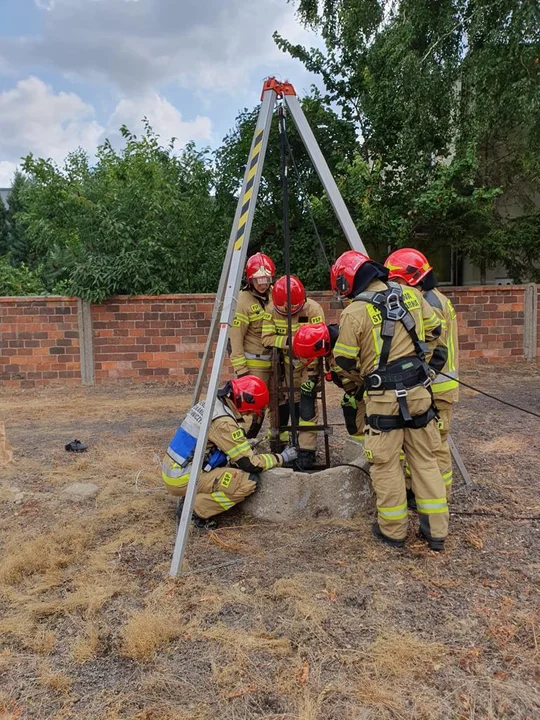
(386, 423)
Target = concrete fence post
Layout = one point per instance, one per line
(86, 342)
(530, 329)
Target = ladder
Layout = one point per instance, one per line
(229, 285)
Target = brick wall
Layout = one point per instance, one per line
(39, 341)
(163, 337)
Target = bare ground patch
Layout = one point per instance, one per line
(312, 621)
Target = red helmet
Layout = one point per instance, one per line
(250, 394)
(260, 266)
(344, 269)
(408, 264)
(279, 295)
(311, 341)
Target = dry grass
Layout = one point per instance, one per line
(146, 631)
(311, 628)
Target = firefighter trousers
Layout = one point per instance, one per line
(383, 450)
(306, 409)
(218, 490)
(354, 414)
(442, 453)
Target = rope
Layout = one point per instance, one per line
(493, 397)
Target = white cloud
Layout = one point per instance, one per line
(33, 118)
(206, 44)
(164, 117)
(7, 170)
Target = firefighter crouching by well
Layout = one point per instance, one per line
(231, 468)
(304, 311)
(410, 266)
(247, 353)
(381, 345)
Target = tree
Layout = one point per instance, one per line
(18, 245)
(337, 137)
(4, 229)
(141, 220)
(445, 97)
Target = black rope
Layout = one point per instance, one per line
(472, 513)
(307, 202)
(493, 397)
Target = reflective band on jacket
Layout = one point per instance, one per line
(346, 350)
(448, 477)
(236, 362)
(269, 460)
(442, 383)
(251, 356)
(261, 364)
(393, 513)
(305, 422)
(175, 475)
(222, 499)
(360, 438)
(431, 506)
(280, 341)
(238, 449)
(243, 318)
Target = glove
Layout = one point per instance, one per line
(289, 454)
(335, 378)
(307, 387)
(349, 401)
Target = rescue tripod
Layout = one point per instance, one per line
(233, 268)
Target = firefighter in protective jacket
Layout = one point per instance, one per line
(247, 353)
(410, 266)
(382, 347)
(231, 467)
(275, 335)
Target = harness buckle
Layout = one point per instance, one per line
(394, 309)
(403, 392)
(375, 381)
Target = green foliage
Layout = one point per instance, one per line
(18, 245)
(337, 137)
(141, 220)
(445, 97)
(18, 280)
(4, 229)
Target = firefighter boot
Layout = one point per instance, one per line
(381, 536)
(411, 499)
(435, 544)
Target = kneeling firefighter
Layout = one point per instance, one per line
(231, 468)
(410, 266)
(382, 346)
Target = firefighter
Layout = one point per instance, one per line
(247, 353)
(382, 347)
(411, 267)
(304, 311)
(231, 468)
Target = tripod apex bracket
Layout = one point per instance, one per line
(280, 88)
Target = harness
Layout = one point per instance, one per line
(404, 373)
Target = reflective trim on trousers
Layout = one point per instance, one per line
(399, 512)
(431, 506)
(448, 477)
(260, 364)
(223, 500)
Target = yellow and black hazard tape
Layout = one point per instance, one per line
(254, 161)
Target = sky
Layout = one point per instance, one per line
(73, 71)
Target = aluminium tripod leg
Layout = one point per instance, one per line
(459, 462)
(241, 232)
(323, 171)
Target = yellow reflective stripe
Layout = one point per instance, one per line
(269, 460)
(222, 499)
(280, 341)
(432, 321)
(263, 364)
(284, 436)
(175, 482)
(377, 342)
(431, 506)
(448, 477)
(398, 512)
(306, 422)
(268, 327)
(254, 317)
(441, 387)
(243, 318)
(346, 350)
(238, 361)
(360, 438)
(238, 449)
(451, 361)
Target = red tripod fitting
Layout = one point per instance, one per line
(281, 88)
